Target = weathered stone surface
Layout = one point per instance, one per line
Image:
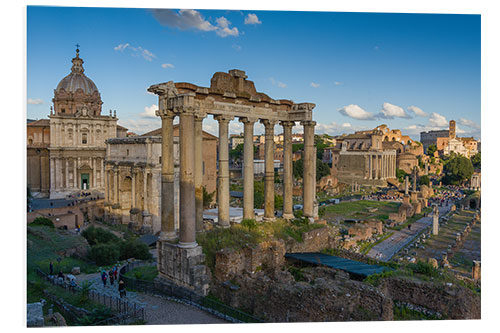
(453, 301)
(35, 315)
(75, 270)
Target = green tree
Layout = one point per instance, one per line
(207, 197)
(431, 149)
(476, 160)
(322, 169)
(278, 202)
(236, 153)
(401, 174)
(424, 180)
(298, 169)
(457, 169)
(297, 146)
(258, 194)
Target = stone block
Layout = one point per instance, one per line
(75, 270)
(35, 315)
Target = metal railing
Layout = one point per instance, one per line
(124, 308)
(169, 290)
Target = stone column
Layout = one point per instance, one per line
(145, 191)
(187, 227)
(167, 176)
(101, 184)
(133, 188)
(370, 163)
(116, 199)
(287, 170)
(406, 185)
(75, 174)
(309, 180)
(106, 187)
(94, 173)
(435, 221)
(269, 170)
(414, 179)
(367, 167)
(198, 170)
(66, 171)
(52, 174)
(248, 176)
(223, 177)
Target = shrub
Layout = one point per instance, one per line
(250, 224)
(43, 221)
(134, 249)
(99, 236)
(104, 254)
(424, 268)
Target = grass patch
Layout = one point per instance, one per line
(145, 273)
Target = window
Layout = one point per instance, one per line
(84, 138)
(63, 111)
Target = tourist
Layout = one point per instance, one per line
(51, 268)
(72, 285)
(121, 289)
(115, 272)
(104, 277)
(111, 276)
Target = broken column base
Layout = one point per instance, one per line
(183, 267)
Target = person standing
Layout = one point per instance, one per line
(121, 289)
(111, 276)
(51, 268)
(115, 272)
(104, 277)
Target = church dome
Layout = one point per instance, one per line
(76, 79)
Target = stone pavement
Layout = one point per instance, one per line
(388, 248)
(159, 310)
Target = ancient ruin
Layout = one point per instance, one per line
(229, 96)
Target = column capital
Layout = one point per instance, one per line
(248, 120)
(185, 109)
(165, 113)
(268, 122)
(199, 116)
(287, 123)
(223, 118)
(308, 123)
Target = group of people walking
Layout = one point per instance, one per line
(113, 276)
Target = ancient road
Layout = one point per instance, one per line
(159, 311)
(389, 247)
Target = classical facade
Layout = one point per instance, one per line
(75, 138)
(133, 178)
(230, 95)
(364, 161)
(38, 169)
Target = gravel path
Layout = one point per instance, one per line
(385, 251)
(159, 311)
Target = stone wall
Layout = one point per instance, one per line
(452, 301)
(327, 295)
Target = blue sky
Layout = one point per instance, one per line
(410, 71)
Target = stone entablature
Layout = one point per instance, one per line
(230, 96)
(366, 167)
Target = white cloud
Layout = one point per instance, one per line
(356, 112)
(252, 19)
(437, 120)
(35, 101)
(336, 129)
(469, 123)
(142, 125)
(167, 66)
(223, 29)
(338, 83)
(315, 85)
(136, 51)
(149, 112)
(192, 19)
(236, 47)
(391, 111)
(277, 83)
(417, 111)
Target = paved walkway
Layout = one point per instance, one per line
(159, 311)
(388, 248)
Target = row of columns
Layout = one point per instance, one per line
(60, 179)
(191, 177)
(95, 134)
(380, 166)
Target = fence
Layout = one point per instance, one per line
(169, 290)
(125, 310)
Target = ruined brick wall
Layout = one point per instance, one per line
(454, 302)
